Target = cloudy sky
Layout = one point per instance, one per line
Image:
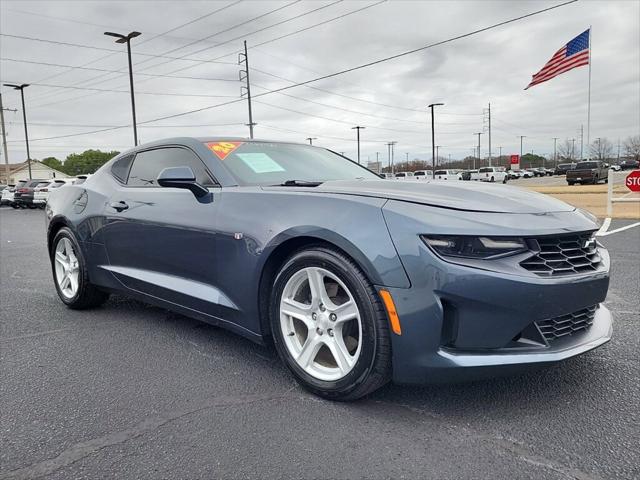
(197, 43)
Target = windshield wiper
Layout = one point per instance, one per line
(299, 183)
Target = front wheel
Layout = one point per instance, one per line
(329, 325)
(70, 273)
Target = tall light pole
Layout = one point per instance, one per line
(438, 153)
(599, 154)
(24, 120)
(555, 158)
(573, 148)
(474, 163)
(311, 139)
(357, 129)
(127, 39)
(433, 135)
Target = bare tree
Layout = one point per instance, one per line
(632, 147)
(601, 149)
(566, 150)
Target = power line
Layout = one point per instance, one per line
(168, 94)
(451, 39)
(153, 37)
(78, 67)
(93, 47)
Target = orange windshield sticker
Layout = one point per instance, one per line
(223, 149)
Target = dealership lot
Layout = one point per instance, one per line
(140, 392)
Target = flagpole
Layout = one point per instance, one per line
(589, 101)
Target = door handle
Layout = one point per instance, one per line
(119, 206)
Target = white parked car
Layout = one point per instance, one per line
(492, 174)
(447, 175)
(615, 168)
(80, 179)
(423, 175)
(41, 192)
(7, 195)
(404, 176)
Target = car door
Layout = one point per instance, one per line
(161, 241)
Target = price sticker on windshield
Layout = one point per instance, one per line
(223, 149)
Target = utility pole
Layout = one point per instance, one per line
(573, 148)
(311, 139)
(357, 129)
(127, 39)
(378, 161)
(24, 120)
(618, 161)
(521, 137)
(582, 142)
(555, 158)
(474, 163)
(490, 134)
(389, 155)
(393, 155)
(4, 138)
(438, 154)
(433, 135)
(246, 89)
(599, 149)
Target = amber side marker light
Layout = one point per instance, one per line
(391, 311)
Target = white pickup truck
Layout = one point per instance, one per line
(447, 175)
(423, 175)
(492, 174)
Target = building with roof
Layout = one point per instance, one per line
(20, 171)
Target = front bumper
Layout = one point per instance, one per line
(461, 322)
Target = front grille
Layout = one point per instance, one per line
(563, 255)
(569, 324)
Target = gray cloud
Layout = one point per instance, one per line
(494, 67)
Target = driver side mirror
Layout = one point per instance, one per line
(181, 177)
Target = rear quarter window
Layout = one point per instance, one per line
(120, 168)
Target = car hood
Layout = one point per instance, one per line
(458, 195)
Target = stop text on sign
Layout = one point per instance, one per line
(633, 181)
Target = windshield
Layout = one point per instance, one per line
(586, 165)
(264, 163)
(440, 172)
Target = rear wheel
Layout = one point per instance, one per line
(70, 273)
(492, 179)
(570, 183)
(329, 325)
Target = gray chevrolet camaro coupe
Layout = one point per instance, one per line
(355, 280)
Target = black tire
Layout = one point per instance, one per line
(373, 367)
(492, 179)
(570, 183)
(88, 295)
(15, 206)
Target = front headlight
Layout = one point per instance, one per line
(474, 247)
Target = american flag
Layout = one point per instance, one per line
(574, 54)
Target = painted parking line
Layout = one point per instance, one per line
(605, 226)
(621, 229)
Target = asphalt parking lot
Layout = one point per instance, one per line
(132, 391)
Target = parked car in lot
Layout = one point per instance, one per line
(470, 175)
(540, 172)
(615, 168)
(514, 174)
(80, 179)
(563, 168)
(492, 174)
(404, 176)
(592, 171)
(41, 192)
(447, 175)
(8, 194)
(387, 175)
(274, 241)
(423, 175)
(23, 195)
(629, 164)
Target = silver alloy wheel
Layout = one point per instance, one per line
(320, 323)
(67, 268)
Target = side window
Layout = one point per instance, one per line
(147, 166)
(120, 168)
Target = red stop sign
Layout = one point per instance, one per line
(633, 181)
